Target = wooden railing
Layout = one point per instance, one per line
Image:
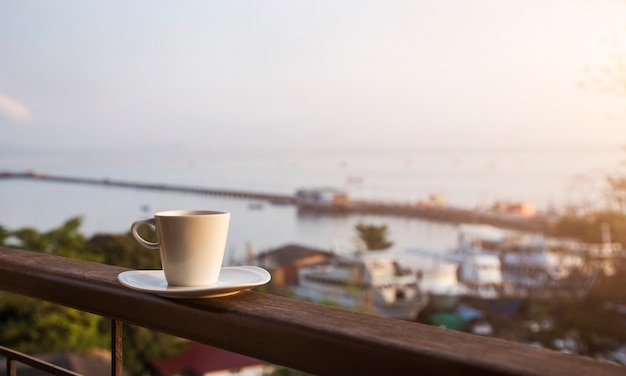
(310, 337)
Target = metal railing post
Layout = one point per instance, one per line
(116, 348)
(11, 367)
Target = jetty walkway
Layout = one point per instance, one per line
(275, 198)
(440, 214)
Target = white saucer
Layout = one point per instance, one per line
(232, 280)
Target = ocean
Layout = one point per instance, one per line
(469, 178)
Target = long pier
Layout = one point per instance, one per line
(439, 214)
(276, 198)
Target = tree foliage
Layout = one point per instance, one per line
(616, 192)
(36, 326)
(588, 228)
(32, 326)
(122, 250)
(595, 322)
(65, 240)
(141, 346)
(375, 237)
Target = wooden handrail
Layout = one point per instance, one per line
(296, 334)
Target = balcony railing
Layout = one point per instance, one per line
(296, 334)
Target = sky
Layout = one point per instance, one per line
(246, 74)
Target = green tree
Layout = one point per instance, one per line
(375, 237)
(65, 240)
(34, 326)
(4, 234)
(141, 346)
(122, 250)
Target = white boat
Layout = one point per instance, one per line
(533, 264)
(439, 278)
(370, 281)
(450, 279)
(482, 275)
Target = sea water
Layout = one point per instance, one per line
(468, 178)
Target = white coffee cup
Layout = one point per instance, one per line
(191, 243)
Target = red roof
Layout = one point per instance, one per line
(201, 359)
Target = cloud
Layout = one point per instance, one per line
(14, 110)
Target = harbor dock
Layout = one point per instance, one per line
(441, 214)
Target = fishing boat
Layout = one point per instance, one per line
(369, 281)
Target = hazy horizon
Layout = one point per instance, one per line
(200, 75)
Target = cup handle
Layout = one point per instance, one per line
(135, 226)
